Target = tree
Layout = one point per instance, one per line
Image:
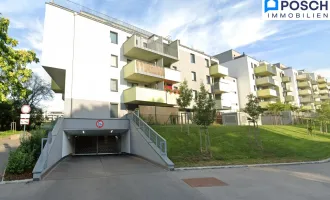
(253, 109)
(185, 98)
(204, 115)
(13, 71)
(324, 116)
(276, 109)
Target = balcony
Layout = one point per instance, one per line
(220, 87)
(304, 84)
(324, 91)
(172, 76)
(144, 72)
(314, 82)
(286, 79)
(306, 100)
(218, 71)
(265, 70)
(56, 88)
(318, 102)
(305, 92)
(325, 97)
(289, 98)
(151, 49)
(322, 80)
(267, 93)
(264, 104)
(288, 88)
(323, 86)
(316, 95)
(148, 96)
(303, 77)
(265, 81)
(222, 105)
(307, 107)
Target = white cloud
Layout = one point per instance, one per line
(325, 72)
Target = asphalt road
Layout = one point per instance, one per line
(109, 177)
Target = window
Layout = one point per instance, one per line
(252, 65)
(134, 84)
(208, 79)
(114, 61)
(114, 85)
(210, 95)
(255, 65)
(114, 37)
(253, 76)
(129, 60)
(207, 62)
(176, 88)
(113, 110)
(192, 58)
(174, 67)
(144, 44)
(193, 76)
(195, 94)
(255, 88)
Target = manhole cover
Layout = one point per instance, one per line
(204, 182)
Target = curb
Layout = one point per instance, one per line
(16, 181)
(251, 165)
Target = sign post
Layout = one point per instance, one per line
(25, 116)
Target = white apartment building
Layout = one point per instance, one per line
(254, 77)
(291, 84)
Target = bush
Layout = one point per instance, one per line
(27, 154)
(19, 161)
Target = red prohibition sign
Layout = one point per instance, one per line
(99, 123)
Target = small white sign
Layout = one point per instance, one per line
(24, 121)
(26, 109)
(25, 116)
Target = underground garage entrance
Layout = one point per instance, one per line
(97, 142)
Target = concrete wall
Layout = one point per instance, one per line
(90, 124)
(285, 118)
(67, 145)
(125, 142)
(142, 146)
(227, 56)
(232, 96)
(237, 118)
(156, 114)
(241, 70)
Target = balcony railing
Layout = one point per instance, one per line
(323, 86)
(145, 72)
(304, 84)
(286, 79)
(306, 100)
(265, 81)
(172, 76)
(322, 80)
(324, 91)
(289, 98)
(303, 77)
(141, 95)
(265, 104)
(288, 88)
(220, 87)
(305, 92)
(218, 71)
(325, 97)
(267, 93)
(307, 107)
(222, 105)
(265, 70)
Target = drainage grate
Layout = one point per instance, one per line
(204, 182)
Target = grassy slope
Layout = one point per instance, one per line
(233, 145)
(8, 133)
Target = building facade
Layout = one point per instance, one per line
(106, 72)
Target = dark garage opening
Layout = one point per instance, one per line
(107, 144)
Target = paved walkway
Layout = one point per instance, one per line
(7, 144)
(133, 178)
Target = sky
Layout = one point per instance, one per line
(212, 26)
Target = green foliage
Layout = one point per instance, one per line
(13, 71)
(204, 110)
(276, 108)
(19, 161)
(27, 154)
(324, 111)
(185, 96)
(252, 108)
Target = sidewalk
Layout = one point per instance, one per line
(7, 144)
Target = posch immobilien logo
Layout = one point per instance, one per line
(295, 10)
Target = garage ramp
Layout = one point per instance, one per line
(128, 135)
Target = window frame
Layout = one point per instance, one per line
(112, 32)
(208, 79)
(207, 63)
(194, 76)
(192, 58)
(112, 55)
(195, 94)
(112, 79)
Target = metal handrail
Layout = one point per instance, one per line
(79, 8)
(154, 137)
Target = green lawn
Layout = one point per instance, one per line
(234, 145)
(8, 133)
